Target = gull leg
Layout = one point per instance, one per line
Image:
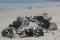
(46, 30)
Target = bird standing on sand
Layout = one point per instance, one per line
(43, 22)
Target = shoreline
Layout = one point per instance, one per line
(29, 7)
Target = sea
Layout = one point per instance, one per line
(4, 5)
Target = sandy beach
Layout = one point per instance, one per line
(8, 16)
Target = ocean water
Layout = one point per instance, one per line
(22, 5)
